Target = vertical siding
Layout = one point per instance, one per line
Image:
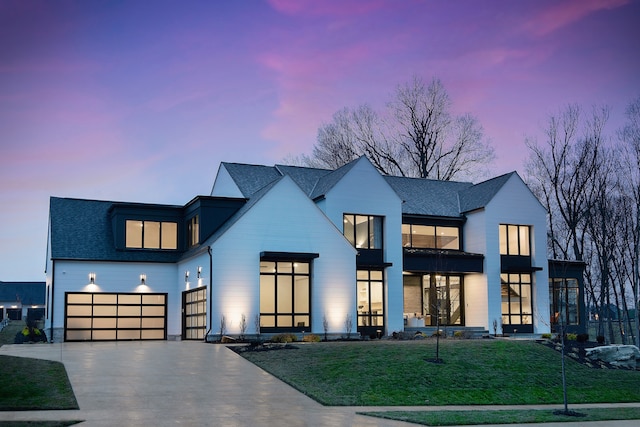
(284, 220)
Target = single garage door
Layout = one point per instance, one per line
(194, 314)
(115, 316)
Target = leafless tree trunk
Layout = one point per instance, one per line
(416, 136)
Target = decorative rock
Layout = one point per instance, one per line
(624, 356)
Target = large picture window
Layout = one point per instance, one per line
(151, 235)
(430, 237)
(363, 231)
(514, 240)
(563, 296)
(285, 296)
(516, 299)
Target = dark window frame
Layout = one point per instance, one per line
(435, 236)
(193, 231)
(143, 221)
(276, 314)
(511, 326)
(559, 286)
(507, 244)
(370, 230)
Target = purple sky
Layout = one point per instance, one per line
(141, 101)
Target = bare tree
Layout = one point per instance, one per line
(437, 144)
(417, 135)
(630, 165)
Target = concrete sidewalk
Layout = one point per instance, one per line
(162, 383)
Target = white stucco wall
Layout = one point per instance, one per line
(283, 220)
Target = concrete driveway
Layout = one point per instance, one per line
(163, 383)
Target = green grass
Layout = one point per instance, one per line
(474, 372)
(452, 418)
(32, 384)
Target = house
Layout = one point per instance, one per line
(292, 249)
(22, 300)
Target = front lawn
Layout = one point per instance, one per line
(474, 372)
(33, 384)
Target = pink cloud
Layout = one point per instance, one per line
(561, 14)
(326, 8)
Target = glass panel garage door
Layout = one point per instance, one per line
(115, 316)
(194, 314)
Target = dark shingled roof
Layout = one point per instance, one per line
(251, 178)
(82, 230)
(28, 293)
(306, 178)
(479, 195)
(327, 182)
(427, 196)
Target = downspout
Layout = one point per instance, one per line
(53, 296)
(210, 292)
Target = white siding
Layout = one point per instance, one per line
(515, 204)
(224, 186)
(284, 220)
(363, 191)
(73, 276)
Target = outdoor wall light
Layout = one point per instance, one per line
(199, 271)
(92, 278)
(186, 276)
(143, 279)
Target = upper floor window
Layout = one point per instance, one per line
(151, 235)
(430, 236)
(514, 240)
(363, 231)
(194, 231)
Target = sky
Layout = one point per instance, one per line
(141, 101)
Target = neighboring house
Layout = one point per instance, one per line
(294, 249)
(19, 300)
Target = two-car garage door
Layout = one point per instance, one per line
(115, 316)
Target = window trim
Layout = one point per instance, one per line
(371, 229)
(293, 274)
(435, 236)
(142, 235)
(504, 239)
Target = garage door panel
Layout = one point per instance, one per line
(79, 323)
(105, 310)
(115, 316)
(153, 310)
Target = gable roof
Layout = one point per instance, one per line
(427, 196)
(306, 178)
(251, 178)
(479, 195)
(28, 293)
(328, 181)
